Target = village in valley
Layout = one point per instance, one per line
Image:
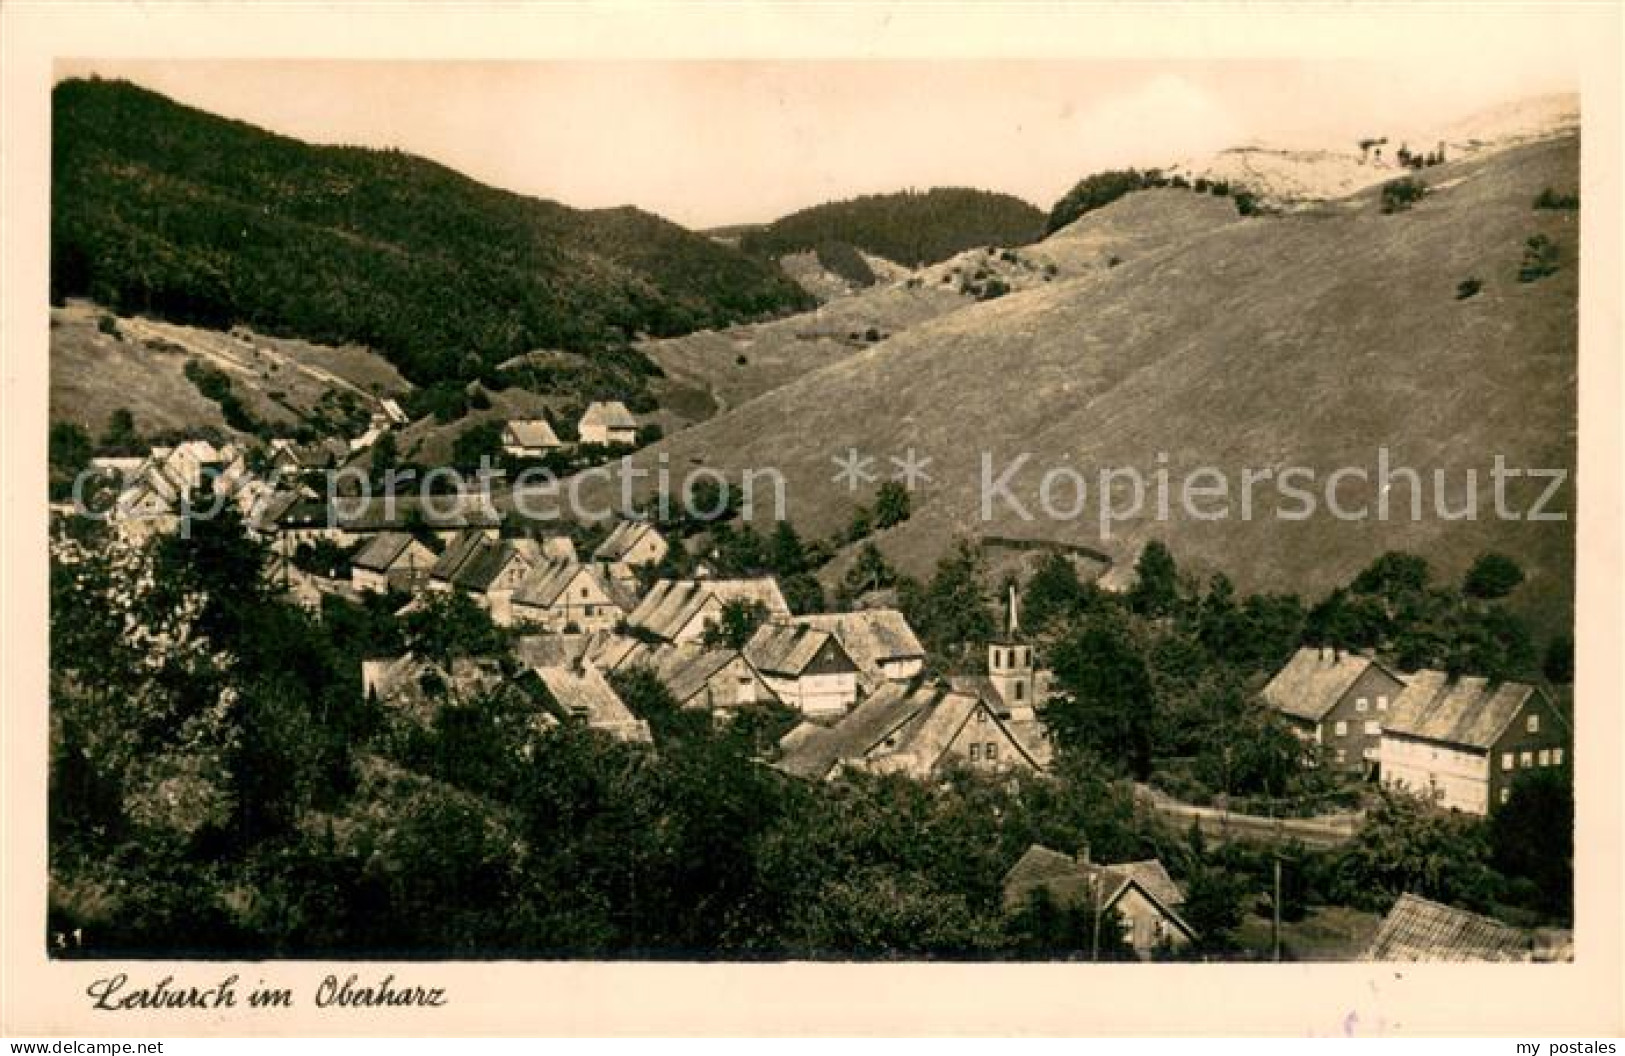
(306, 717)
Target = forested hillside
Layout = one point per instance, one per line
(165, 210)
(909, 227)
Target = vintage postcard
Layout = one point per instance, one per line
(780, 519)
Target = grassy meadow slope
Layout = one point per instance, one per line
(141, 368)
(704, 372)
(1310, 339)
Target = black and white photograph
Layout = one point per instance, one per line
(991, 511)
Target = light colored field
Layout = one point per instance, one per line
(1311, 340)
(280, 380)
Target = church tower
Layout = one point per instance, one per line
(1010, 668)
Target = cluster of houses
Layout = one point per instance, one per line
(603, 424)
(854, 678)
(1462, 739)
(152, 489)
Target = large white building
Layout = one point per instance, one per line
(1466, 740)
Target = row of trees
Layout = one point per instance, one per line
(913, 228)
(1100, 189)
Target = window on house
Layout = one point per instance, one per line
(1506, 794)
(1361, 704)
(1557, 757)
(1341, 729)
(1342, 756)
(1545, 757)
(1526, 759)
(1532, 724)
(975, 753)
(1373, 728)
(1019, 688)
(981, 717)
(992, 751)
(1382, 703)
(1506, 760)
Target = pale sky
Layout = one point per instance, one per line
(713, 143)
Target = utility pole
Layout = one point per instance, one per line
(1275, 930)
(1094, 887)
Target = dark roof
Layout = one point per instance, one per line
(1417, 929)
(585, 694)
(621, 540)
(1071, 882)
(545, 582)
(382, 551)
(672, 603)
(459, 552)
(1469, 711)
(377, 515)
(811, 751)
(869, 636)
(1313, 681)
(897, 729)
(686, 670)
(789, 648)
(490, 558)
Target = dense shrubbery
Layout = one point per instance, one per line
(910, 227)
(167, 210)
(220, 785)
(845, 261)
(1103, 188)
(225, 787)
(215, 384)
(1550, 199)
(1399, 195)
(1540, 259)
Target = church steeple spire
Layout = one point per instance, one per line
(1010, 664)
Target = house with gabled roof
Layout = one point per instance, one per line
(418, 687)
(1139, 898)
(583, 694)
(720, 681)
(1419, 929)
(805, 667)
(917, 731)
(607, 423)
(631, 545)
(679, 611)
(460, 551)
(529, 437)
(390, 561)
(150, 503)
(559, 596)
(879, 641)
(189, 461)
(1466, 740)
(494, 571)
(1337, 700)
